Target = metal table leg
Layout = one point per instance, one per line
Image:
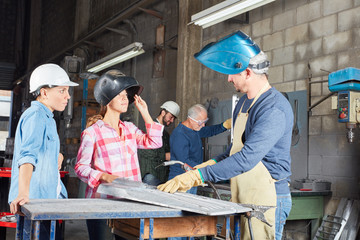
(151, 228)
(19, 227)
(237, 219)
(53, 229)
(142, 228)
(227, 235)
(35, 231)
(26, 232)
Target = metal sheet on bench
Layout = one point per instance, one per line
(141, 192)
(94, 208)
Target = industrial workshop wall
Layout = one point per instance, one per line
(154, 25)
(64, 32)
(321, 34)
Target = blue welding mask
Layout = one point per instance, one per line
(230, 55)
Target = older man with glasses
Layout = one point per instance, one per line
(185, 140)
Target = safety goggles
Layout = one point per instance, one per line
(199, 122)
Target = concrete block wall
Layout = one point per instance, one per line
(324, 34)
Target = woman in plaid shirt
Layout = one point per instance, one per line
(108, 148)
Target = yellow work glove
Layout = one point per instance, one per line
(207, 163)
(182, 182)
(227, 123)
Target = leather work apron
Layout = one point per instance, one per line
(253, 187)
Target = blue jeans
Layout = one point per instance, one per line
(151, 180)
(98, 229)
(192, 190)
(283, 207)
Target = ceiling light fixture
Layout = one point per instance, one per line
(119, 56)
(225, 10)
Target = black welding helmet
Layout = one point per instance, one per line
(114, 82)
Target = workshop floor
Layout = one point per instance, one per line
(74, 230)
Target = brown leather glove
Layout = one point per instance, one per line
(182, 182)
(204, 164)
(227, 123)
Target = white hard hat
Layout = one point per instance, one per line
(49, 75)
(172, 107)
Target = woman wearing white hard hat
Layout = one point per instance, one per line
(37, 160)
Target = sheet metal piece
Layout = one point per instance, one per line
(142, 192)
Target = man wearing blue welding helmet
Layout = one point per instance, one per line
(258, 160)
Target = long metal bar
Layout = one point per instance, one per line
(84, 106)
(321, 100)
(137, 191)
(321, 81)
(307, 119)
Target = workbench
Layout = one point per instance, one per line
(308, 205)
(66, 209)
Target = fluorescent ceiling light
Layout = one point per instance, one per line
(225, 10)
(119, 56)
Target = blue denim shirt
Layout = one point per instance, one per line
(37, 142)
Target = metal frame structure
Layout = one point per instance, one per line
(66, 209)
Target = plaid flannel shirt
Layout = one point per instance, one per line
(103, 150)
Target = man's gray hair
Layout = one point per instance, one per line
(194, 111)
(261, 59)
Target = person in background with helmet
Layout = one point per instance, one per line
(151, 158)
(258, 161)
(108, 148)
(37, 161)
